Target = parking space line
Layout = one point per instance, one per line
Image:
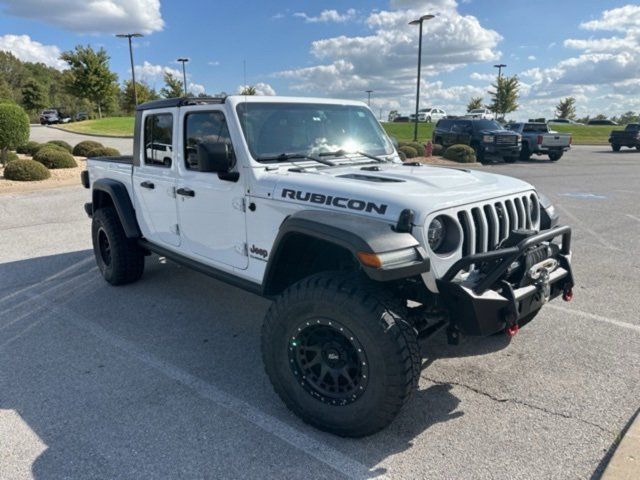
(593, 316)
(294, 437)
(581, 225)
(633, 217)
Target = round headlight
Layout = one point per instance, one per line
(436, 233)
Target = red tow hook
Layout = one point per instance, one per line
(567, 295)
(512, 330)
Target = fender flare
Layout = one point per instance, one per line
(353, 233)
(121, 201)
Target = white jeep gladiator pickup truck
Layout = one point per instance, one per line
(305, 201)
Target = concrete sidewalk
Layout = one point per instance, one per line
(625, 462)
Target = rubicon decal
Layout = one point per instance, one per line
(340, 202)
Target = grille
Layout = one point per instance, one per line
(485, 226)
(506, 139)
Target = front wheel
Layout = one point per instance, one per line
(615, 148)
(510, 159)
(340, 354)
(555, 156)
(637, 147)
(525, 153)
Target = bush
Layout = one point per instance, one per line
(419, 148)
(48, 146)
(460, 153)
(14, 128)
(103, 152)
(53, 158)
(11, 156)
(29, 148)
(61, 143)
(402, 156)
(408, 151)
(82, 149)
(437, 149)
(26, 171)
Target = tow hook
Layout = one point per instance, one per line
(512, 330)
(567, 295)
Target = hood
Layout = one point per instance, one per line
(497, 132)
(383, 191)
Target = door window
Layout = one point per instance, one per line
(158, 140)
(201, 127)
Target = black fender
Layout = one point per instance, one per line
(354, 233)
(121, 201)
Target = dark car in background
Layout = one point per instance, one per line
(52, 116)
(487, 137)
(601, 122)
(629, 137)
(80, 116)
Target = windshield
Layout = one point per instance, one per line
(273, 129)
(477, 110)
(487, 125)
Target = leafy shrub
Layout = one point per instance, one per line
(103, 152)
(29, 148)
(14, 128)
(26, 171)
(419, 148)
(460, 153)
(438, 149)
(82, 149)
(49, 146)
(53, 158)
(408, 151)
(402, 156)
(11, 156)
(61, 143)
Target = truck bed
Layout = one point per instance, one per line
(555, 140)
(116, 168)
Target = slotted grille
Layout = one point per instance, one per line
(506, 139)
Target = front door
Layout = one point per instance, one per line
(154, 180)
(210, 210)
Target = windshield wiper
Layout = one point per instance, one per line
(283, 157)
(344, 153)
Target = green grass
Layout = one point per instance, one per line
(109, 127)
(404, 131)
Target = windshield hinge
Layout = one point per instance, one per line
(239, 203)
(242, 249)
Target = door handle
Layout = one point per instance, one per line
(187, 192)
(148, 185)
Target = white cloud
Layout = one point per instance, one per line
(92, 16)
(485, 77)
(214, 63)
(261, 89)
(619, 19)
(328, 16)
(150, 73)
(28, 50)
(196, 88)
(531, 57)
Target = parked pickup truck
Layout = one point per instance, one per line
(629, 137)
(305, 202)
(487, 137)
(537, 139)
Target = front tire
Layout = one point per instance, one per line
(510, 159)
(340, 354)
(525, 153)
(119, 258)
(615, 148)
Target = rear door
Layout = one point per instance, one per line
(154, 180)
(210, 209)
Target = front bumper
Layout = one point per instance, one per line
(492, 303)
(501, 150)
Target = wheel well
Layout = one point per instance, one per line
(299, 256)
(101, 199)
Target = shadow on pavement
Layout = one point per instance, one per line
(102, 413)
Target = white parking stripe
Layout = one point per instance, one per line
(294, 437)
(584, 227)
(633, 217)
(593, 316)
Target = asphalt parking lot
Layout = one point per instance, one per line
(163, 378)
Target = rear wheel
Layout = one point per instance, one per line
(340, 353)
(119, 258)
(637, 147)
(615, 148)
(555, 156)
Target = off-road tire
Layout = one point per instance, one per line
(376, 320)
(554, 157)
(615, 148)
(124, 262)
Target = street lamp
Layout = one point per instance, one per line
(369, 92)
(419, 21)
(500, 66)
(184, 73)
(133, 70)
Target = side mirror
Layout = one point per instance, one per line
(215, 157)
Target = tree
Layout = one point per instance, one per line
(144, 92)
(173, 86)
(474, 103)
(90, 75)
(504, 97)
(248, 90)
(34, 96)
(6, 94)
(393, 114)
(14, 129)
(566, 108)
(600, 116)
(627, 117)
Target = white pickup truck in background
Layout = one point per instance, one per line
(537, 139)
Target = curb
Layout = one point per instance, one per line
(90, 134)
(625, 461)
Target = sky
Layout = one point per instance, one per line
(588, 49)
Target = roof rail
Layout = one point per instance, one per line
(180, 102)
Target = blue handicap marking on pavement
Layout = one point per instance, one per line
(591, 196)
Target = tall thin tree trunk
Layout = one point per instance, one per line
(3, 156)
(99, 111)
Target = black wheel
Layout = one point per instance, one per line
(525, 153)
(340, 354)
(615, 148)
(479, 153)
(555, 156)
(119, 259)
(637, 147)
(510, 159)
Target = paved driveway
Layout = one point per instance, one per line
(163, 378)
(40, 133)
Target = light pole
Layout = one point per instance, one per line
(419, 21)
(369, 92)
(184, 73)
(133, 70)
(500, 66)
